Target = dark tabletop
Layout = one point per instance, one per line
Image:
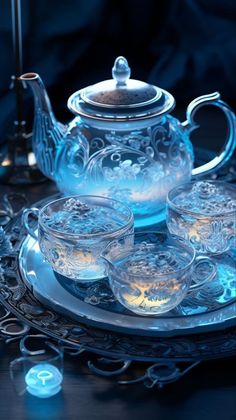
(207, 392)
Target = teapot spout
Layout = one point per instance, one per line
(48, 133)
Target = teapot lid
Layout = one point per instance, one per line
(121, 98)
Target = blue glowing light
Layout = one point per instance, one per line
(43, 380)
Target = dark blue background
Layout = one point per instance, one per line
(185, 46)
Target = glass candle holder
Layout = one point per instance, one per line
(41, 373)
(73, 231)
(204, 213)
(150, 273)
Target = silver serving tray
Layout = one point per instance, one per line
(213, 308)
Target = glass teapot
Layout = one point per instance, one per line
(122, 143)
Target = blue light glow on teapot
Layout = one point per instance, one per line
(122, 143)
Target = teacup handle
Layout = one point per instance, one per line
(199, 260)
(25, 220)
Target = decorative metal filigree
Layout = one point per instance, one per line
(23, 317)
(28, 312)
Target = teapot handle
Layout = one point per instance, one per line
(230, 144)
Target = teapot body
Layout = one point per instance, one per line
(123, 142)
(135, 162)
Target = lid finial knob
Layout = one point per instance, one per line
(121, 71)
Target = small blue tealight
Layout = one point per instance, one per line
(43, 380)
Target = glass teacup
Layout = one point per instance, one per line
(150, 273)
(204, 213)
(73, 231)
